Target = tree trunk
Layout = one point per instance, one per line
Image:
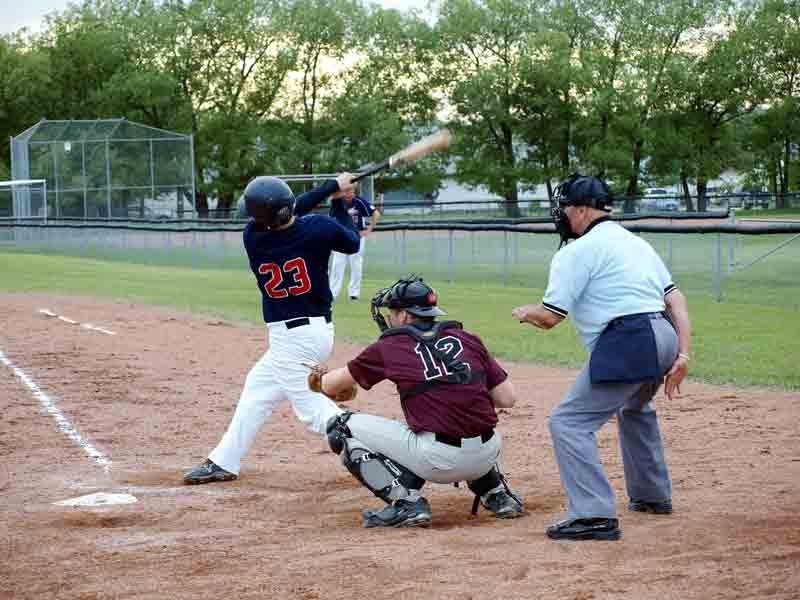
(224, 205)
(201, 204)
(512, 194)
(633, 182)
(512, 201)
(702, 199)
(687, 197)
(787, 155)
(200, 198)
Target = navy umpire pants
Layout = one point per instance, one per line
(585, 409)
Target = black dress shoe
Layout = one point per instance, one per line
(585, 529)
(663, 507)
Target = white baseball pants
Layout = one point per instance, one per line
(279, 375)
(421, 453)
(339, 262)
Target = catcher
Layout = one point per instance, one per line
(449, 387)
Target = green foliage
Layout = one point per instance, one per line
(534, 89)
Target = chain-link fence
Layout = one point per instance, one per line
(746, 263)
(107, 168)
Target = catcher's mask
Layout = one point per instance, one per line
(269, 201)
(411, 294)
(578, 190)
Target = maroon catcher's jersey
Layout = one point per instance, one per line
(457, 410)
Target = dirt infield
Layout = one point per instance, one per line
(154, 399)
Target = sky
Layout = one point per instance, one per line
(15, 14)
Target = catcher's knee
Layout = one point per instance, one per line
(382, 476)
(338, 431)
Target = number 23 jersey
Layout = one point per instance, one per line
(458, 410)
(291, 265)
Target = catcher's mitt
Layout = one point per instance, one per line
(315, 385)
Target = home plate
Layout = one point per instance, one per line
(98, 499)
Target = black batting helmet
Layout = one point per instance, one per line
(269, 201)
(583, 190)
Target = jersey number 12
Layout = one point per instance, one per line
(449, 346)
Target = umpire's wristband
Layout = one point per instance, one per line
(684, 356)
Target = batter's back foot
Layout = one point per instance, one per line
(208, 472)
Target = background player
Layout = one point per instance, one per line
(365, 217)
(616, 288)
(449, 387)
(288, 254)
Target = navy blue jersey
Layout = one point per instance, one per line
(291, 265)
(358, 211)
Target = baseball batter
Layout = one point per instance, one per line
(288, 252)
(449, 387)
(365, 216)
(634, 322)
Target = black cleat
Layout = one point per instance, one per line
(401, 513)
(208, 472)
(353, 297)
(664, 507)
(585, 529)
(503, 505)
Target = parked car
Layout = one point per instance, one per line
(658, 200)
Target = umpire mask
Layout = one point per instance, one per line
(578, 190)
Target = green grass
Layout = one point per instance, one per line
(753, 338)
(771, 213)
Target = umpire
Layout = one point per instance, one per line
(634, 322)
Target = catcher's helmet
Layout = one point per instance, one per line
(411, 294)
(269, 201)
(582, 190)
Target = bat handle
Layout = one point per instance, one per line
(372, 170)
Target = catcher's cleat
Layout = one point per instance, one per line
(503, 505)
(401, 513)
(208, 472)
(585, 529)
(664, 507)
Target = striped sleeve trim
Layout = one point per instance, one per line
(554, 309)
(670, 288)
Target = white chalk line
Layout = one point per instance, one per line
(64, 426)
(89, 326)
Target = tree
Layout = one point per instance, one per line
(482, 48)
(773, 30)
(228, 62)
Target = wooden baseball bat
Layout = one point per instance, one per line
(428, 145)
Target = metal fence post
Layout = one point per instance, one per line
(669, 252)
(515, 240)
(450, 256)
(472, 240)
(505, 258)
(732, 244)
(717, 275)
